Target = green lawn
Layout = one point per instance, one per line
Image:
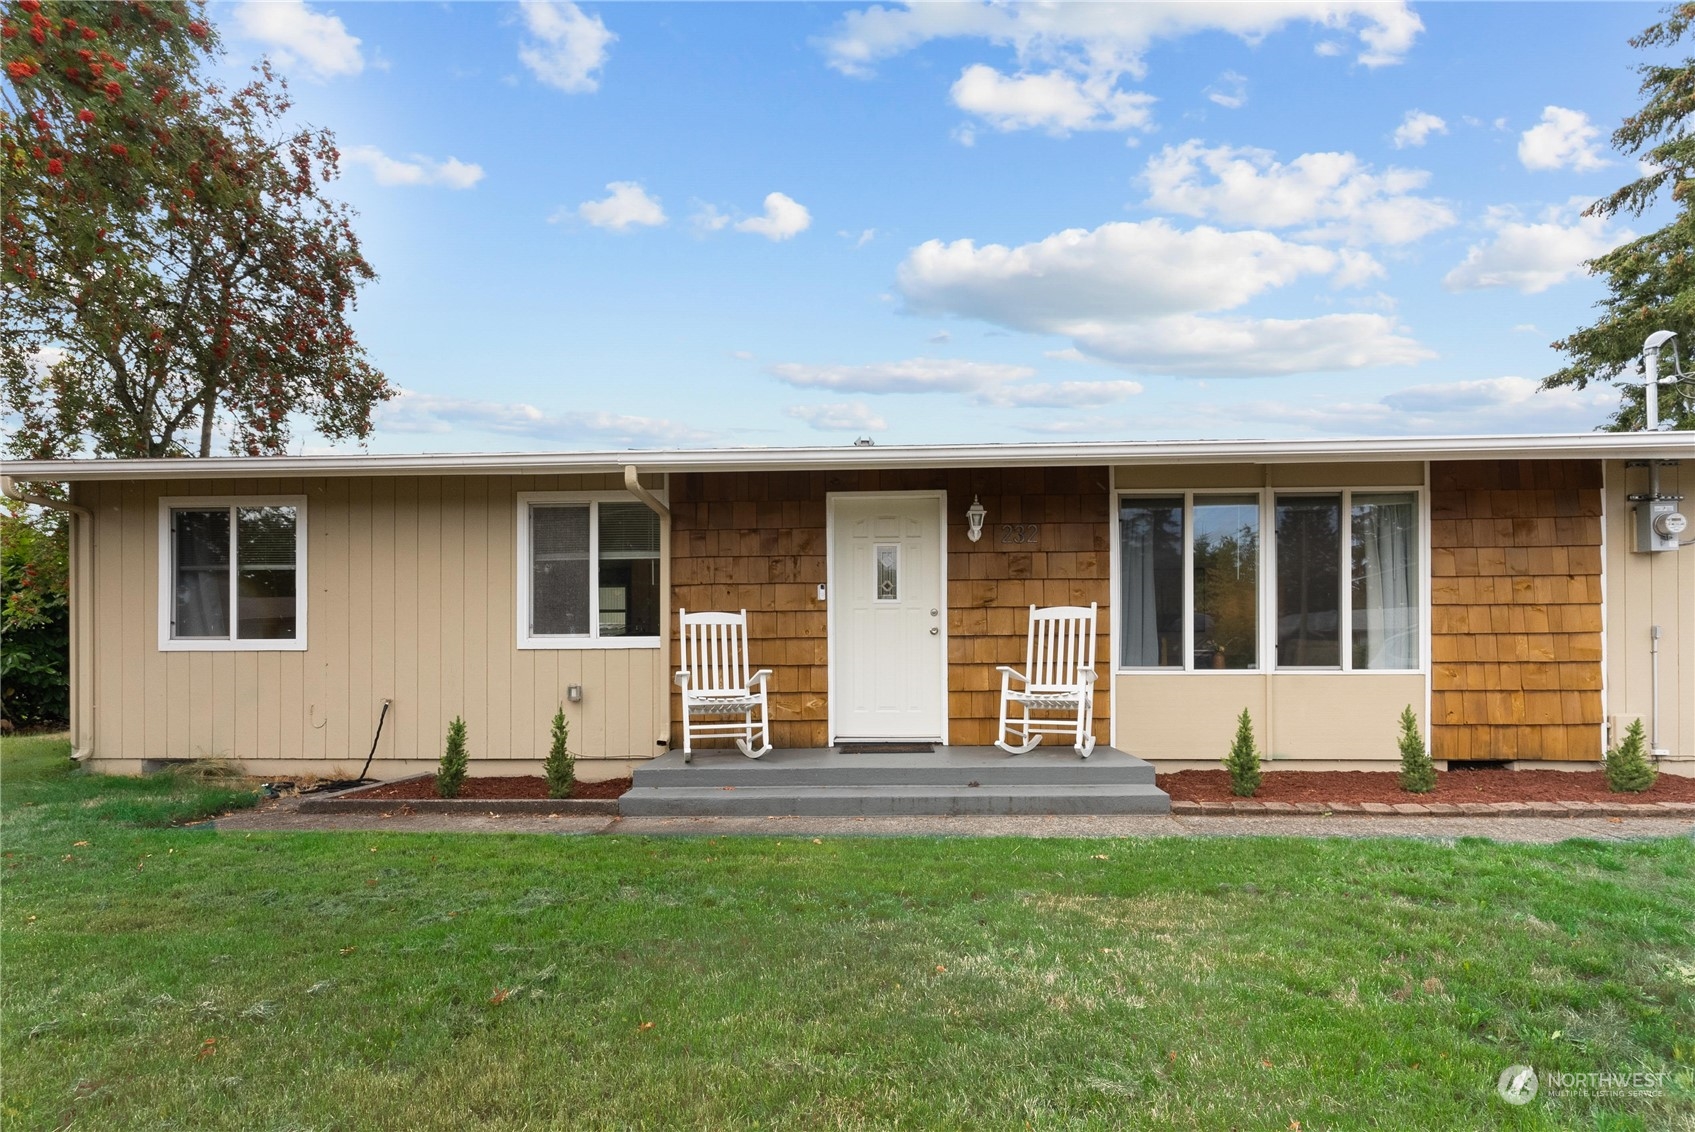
(178, 978)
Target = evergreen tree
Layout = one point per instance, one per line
(1628, 769)
(1243, 760)
(1652, 278)
(1418, 773)
(450, 775)
(561, 763)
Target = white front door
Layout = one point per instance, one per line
(888, 641)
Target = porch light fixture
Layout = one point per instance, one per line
(974, 516)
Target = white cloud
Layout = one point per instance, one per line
(413, 412)
(1003, 386)
(1052, 101)
(707, 218)
(1146, 296)
(389, 171)
(843, 416)
(628, 206)
(916, 375)
(298, 34)
(568, 47)
(784, 218)
(1230, 91)
(1072, 58)
(1497, 405)
(1331, 196)
(1415, 129)
(1105, 37)
(1061, 394)
(860, 239)
(1532, 257)
(1565, 139)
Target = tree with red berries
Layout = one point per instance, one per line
(170, 271)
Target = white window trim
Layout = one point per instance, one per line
(1346, 612)
(591, 640)
(167, 574)
(1266, 594)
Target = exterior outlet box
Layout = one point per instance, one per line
(1659, 524)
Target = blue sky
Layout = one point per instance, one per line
(640, 225)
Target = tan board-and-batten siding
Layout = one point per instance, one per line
(1516, 609)
(411, 597)
(756, 541)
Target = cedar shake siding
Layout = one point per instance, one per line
(756, 540)
(1516, 609)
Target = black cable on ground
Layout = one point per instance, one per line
(375, 739)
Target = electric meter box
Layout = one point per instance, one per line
(1659, 525)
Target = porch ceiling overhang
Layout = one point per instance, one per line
(1591, 445)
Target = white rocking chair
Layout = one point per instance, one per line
(1059, 676)
(716, 684)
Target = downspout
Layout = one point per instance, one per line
(82, 745)
(662, 677)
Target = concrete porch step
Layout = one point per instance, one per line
(945, 766)
(851, 800)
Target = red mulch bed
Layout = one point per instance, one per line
(526, 786)
(1451, 786)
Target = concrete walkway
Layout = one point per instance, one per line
(282, 816)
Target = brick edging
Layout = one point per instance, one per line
(469, 807)
(1437, 809)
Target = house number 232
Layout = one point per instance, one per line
(1020, 532)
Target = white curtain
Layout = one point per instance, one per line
(1386, 593)
(1141, 613)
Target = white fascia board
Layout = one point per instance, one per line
(1588, 445)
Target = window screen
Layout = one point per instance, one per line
(559, 570)
(1309, 582)
(201, 540)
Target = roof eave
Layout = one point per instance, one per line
(1598, 445)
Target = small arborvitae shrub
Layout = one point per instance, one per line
(1418, 773)
(450, 776)
(1628, 768)
(1243, 760)
(561, 763)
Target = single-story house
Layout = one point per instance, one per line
(1521, 593)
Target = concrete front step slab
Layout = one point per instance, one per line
(852, 801)
(945, 766)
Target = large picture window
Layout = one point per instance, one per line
(232, 574)
(588, 572)
(1343, 592)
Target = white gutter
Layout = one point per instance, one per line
(1590, 445)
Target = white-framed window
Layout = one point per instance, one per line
(1348, 579)
(1189, 580)
(1336, 584)
(588, 571)
(232, 573)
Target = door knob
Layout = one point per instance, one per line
(934, 630)
(932, 613)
